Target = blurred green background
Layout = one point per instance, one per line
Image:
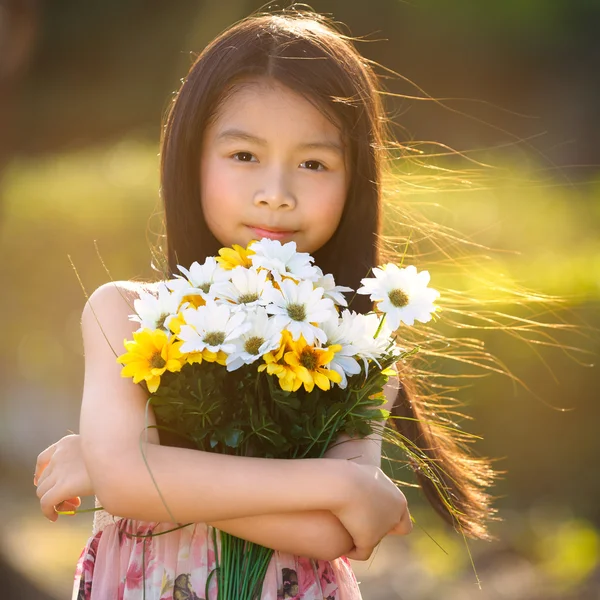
(82, 90)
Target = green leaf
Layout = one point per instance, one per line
(233, 438)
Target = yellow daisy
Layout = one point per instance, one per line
(176, 322)
(307, 364)
(194, 357)
(302, 364)
(237, 256)
(218, 357)
(149, 355)
(195, 300)
(197, 357)
(272, 359)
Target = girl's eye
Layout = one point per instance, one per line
(313, 165)
(246, 156)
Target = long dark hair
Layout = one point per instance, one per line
(307, 53)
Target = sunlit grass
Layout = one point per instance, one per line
(104, 183)
(514, 224)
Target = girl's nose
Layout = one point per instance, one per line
(275, 194)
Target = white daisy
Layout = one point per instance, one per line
(212, 327)
(262, 337)
(343, 362)
(245, 289)
(283, 260)
(359, 331)
(355, 331)
(155, 312)
(200, 277)
(327, 282)
(299, 308)
(402, 294)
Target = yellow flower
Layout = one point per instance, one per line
(218, 357)
(302, 364)
(176, 322)
(149, 355)
(272, 359)
(194, 357)
(195, 300)
(237, 256)
(197, 357)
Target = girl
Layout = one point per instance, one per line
(277, 131)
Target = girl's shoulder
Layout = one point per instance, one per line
(133, 287)
(127, 290)
(107, 310)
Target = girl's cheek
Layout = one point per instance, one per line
(327, 197)
(219, 184)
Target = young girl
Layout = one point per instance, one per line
(277, 131)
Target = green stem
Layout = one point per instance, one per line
(380, 326)
(216, 569)
(356, 292)
(243, 568)
(337, 415)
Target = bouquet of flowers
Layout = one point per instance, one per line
(255, 353)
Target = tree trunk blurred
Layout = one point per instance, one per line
(18, 31)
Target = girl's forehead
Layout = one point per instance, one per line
(266, 104)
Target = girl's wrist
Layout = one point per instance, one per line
(342, 480)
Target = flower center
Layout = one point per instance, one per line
(398, 298)
(157, 361)
(253, 344)
(160, 322)
(309, 358)
(214, 338)
(297, 312)
(247, 298)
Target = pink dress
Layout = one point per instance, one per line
(175, 566)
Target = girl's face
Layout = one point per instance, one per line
(272, 165)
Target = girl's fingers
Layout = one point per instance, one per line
(66, 506)
(47, 503)
(404, 526)
(42, 462)
(359, 553)
(45, 473)
(50, 496)
(69, 504)
(43, 486)
(52, 499)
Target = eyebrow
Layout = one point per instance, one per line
(239, 134)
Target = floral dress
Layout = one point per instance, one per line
(116, 565)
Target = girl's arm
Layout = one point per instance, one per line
(317, 534)
(61, 473)
(195, 486)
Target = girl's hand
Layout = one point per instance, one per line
(61, 477)
(378, 508)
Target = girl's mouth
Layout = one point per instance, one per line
(273, 234)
